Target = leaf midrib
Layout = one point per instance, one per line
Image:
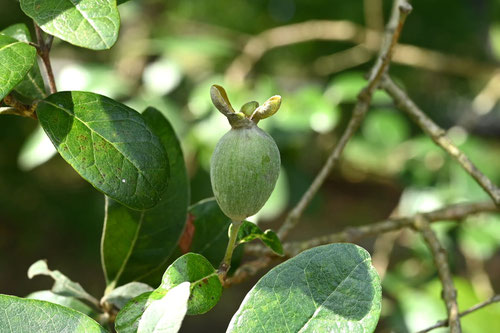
(111, 143)
(11, 44)
(131, 249)
(35, 84)
(333, 291)
(90, 22)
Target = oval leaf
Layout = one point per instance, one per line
(92, 24)
(32, 86)
(137, 244)
(16, 59)
(206, 287)
(108, 144)
(249, 231)
(34, 316)
(330, 288)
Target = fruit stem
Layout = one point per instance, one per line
(226, 262)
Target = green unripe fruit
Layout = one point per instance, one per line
(244, 169)
(246, 162)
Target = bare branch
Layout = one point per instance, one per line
(444, 323)
(342, 60)
(43, 49)
(438, 135)
(374, 17)
(346, 31)
(441, 262)
(353, 234)
(360, 109)
(258, 45)
(15, 107)
(247, 270)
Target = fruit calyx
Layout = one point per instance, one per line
(250, 113)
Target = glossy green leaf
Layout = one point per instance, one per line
(32, 86)
(330, 288)
(206, 287)
(34, 316)
(136, 243)
(92, 24)
(121, 295)
(62, 284)
(16, 60)
(70, 302)
(210, 232)
(108, 144)
(167, 311)
(249, 231)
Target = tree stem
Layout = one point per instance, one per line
(43, 50)
(226, 262)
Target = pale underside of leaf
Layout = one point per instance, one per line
(166, 315)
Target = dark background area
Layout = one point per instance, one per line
(170, 52)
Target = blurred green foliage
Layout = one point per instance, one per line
(168, 55)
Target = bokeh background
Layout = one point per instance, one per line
(171, 51)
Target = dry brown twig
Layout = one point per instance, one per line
(346, 31)
(444, 323)
(354, 234)
(441, 262)
(438, 135)
(43, 47)
(15, 107)
(364, 99)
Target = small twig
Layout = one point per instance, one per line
(247, 270)
(353, 234)
(18, 108)
(441, 262)
(43, 47)
(374, 17)
(438, 135)
(346, 31)
(360, 109)
(342, 60)
(444, 323)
